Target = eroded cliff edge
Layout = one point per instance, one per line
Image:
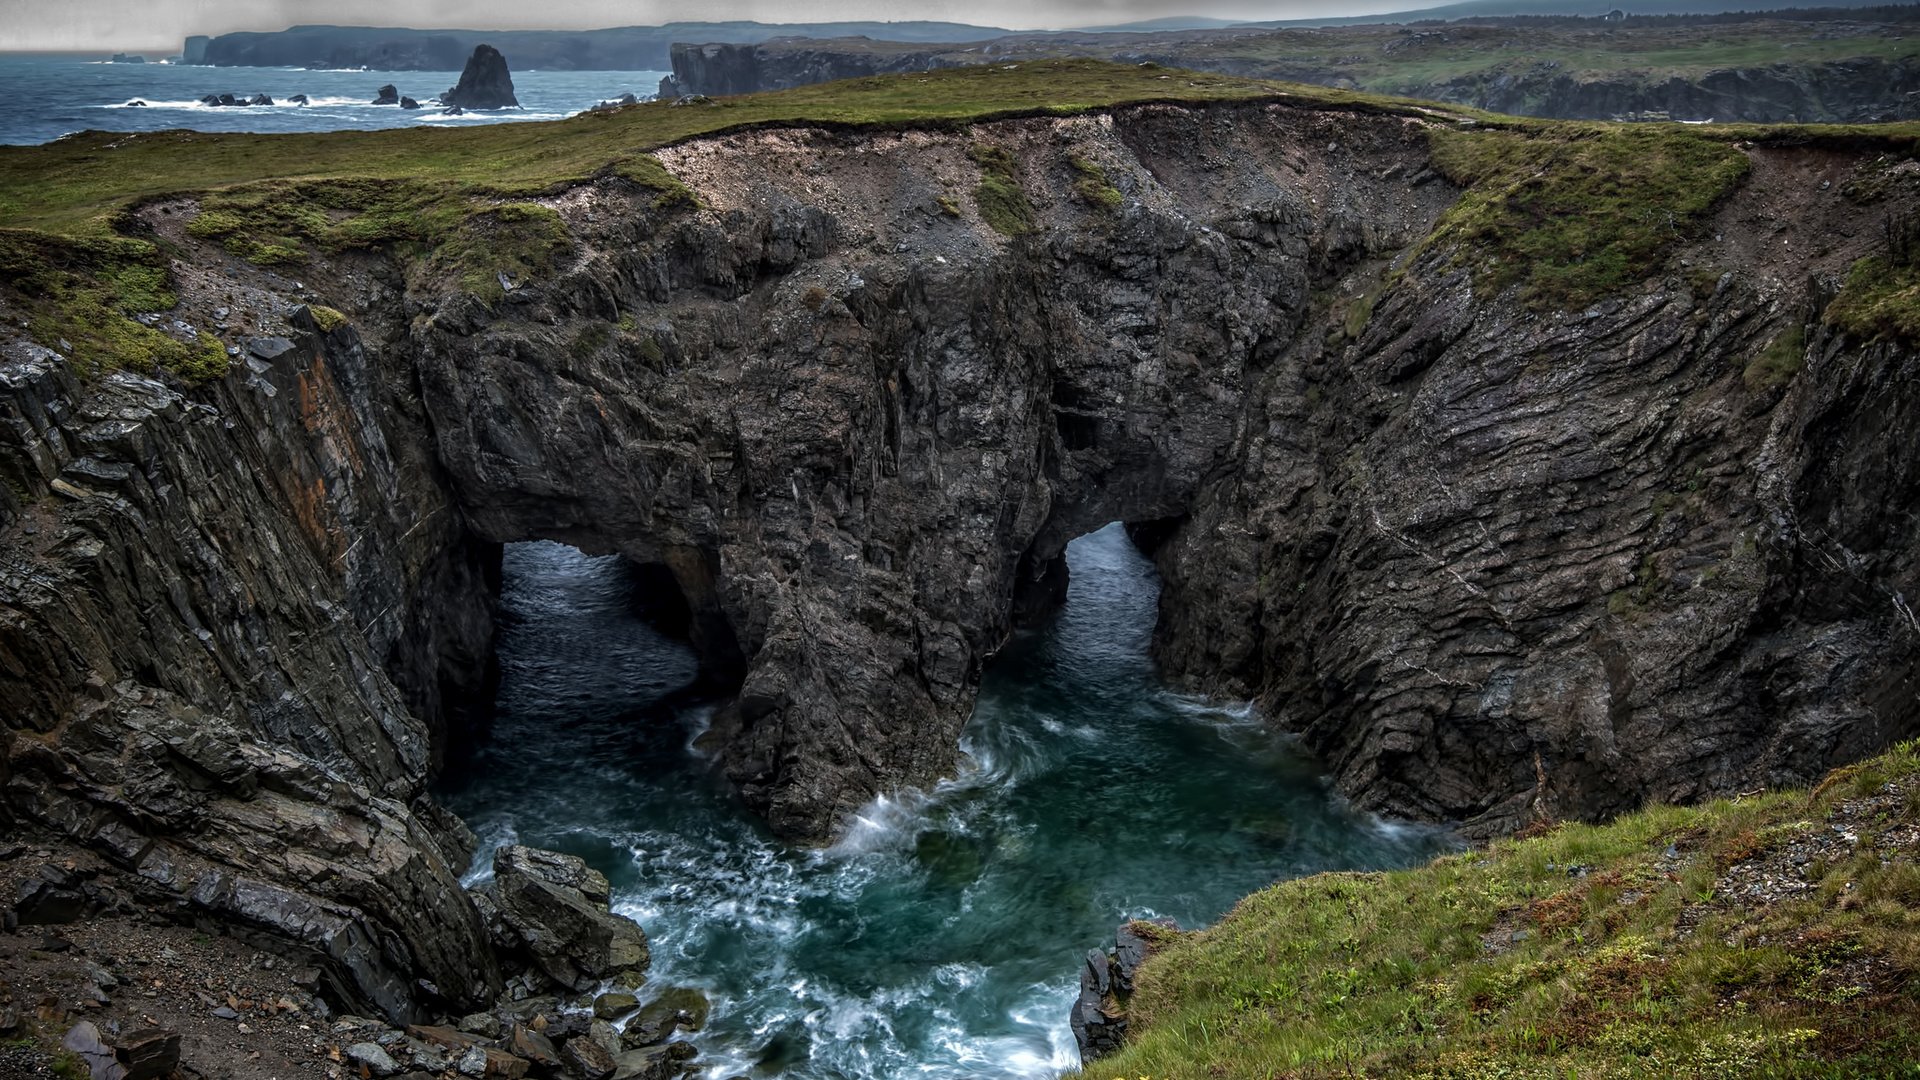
(1495, 561)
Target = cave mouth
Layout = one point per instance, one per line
(943, 933)
(593, 668)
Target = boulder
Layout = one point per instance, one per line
(588, 1058)
(486, 1063)
(613, 1005)
(148, 1053)
(535, 1047)
(409, 103)
(556, 905)
(484, 83)
(299, 99)
(259, 99)
(84, 1042)
(371, 1058)
(652, 1063)
(676, 1008)
(388, 95)
(136, 103)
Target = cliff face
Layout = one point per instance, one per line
(1493, 562)
(1849, 90)
(718, 68)
(235, 627)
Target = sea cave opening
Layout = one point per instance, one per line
(941, 935)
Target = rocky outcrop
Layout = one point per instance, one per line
(387, 95)
(1855, 89)
(484, 83)
(1099, 1014)
(1494, 563)
(1862, 90)
(553, 907)
(716, 68)
(229, 645)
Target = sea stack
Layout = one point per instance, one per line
(484, 83)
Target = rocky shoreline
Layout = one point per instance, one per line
(1496, 564)
(103, 969)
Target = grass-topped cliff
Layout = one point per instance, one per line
(1569, 212)
(1772, 935)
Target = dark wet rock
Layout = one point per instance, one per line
(649, 1063)
(1099, 1015)
(409, 103)
(320, 742)
(487, 1063)
(52, 895)
(387, 95)
(269, 348)
(588, 1058)
(534, 1046)
(557, 907)
(615, 1004)
(485, 1025)
(447, 1038)
(299, 99)
(148, 1053)
(136, 103)
(127, 58)
(259, 99)
(675, 1009)
(484, 83)
(250, 619)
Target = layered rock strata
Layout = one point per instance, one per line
(1495, 563)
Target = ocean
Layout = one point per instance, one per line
(942, 936)
(43, 97)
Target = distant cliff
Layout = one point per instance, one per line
(624, 48)
(719, 68)
(1761, 71)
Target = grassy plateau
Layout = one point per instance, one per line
(1566, 212)
(1769, 936)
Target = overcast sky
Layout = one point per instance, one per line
(157, 26)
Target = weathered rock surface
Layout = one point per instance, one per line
(215, 681)
(484, 83)
(1493, 563)
(1099, 1014)
(557, 908)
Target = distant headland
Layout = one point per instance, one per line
(622, 48)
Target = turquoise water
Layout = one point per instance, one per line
(44, 97)
(942, 936)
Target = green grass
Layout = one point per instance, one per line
(999, 196)
(82, 184)
(1879, 300)
(79, 296)
(451, 201)
(1575, 212)
(1779, 362)
(1587, 951)
(1091, 186)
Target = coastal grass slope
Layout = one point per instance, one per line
(80, 184)
(1772, 935)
